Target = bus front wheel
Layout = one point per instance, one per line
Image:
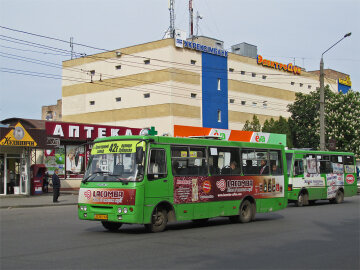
(111, 226)
(159, 221)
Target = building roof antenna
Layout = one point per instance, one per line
(172, 18)
(198, 17)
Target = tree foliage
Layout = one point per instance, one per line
(342, 120)
(254, 125)
(280, 126)
(304, 120)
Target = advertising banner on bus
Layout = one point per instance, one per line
(230, 135)
(115, 196)
(189, 189)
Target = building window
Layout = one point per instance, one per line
(146, 95)
(242, 72)
(193, 62)
(301, 84)
(92, 102)
(118, 67)
(253, 74)
(309, 86)
(232, 100)
(264, 77)
(254, 104)
(49, 115)
(292, 83)
(219, 116)
(231, 70)
(193, 95)
(147, 61)
(118, 99)
(243, 102)
(218, 85)
(92, 72)
(265, 104)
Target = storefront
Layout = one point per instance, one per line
(18, 139)
(61, 145)
(72, 149)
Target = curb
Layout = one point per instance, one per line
(35, 205)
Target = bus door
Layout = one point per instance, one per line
(158, 177)
(298, 178)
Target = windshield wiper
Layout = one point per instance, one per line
(93, 174)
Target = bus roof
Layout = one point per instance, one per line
(191, 141)
(305, 151)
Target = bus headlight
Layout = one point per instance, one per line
(119, 210)
(125, 210)
(83, 208)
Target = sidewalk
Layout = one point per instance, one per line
(21, 201)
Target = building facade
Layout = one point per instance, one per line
(181, 82)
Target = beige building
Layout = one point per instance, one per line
(174, 82)
(52, 112)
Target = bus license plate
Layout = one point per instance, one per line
(103, 217)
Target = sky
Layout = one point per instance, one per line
(283, 31)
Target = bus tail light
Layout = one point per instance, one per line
(131, 209)
(290, 187)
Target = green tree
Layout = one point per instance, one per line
(254, 125)
(304, 120)
(343, 121)
(280, 126)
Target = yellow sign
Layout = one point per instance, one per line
(346, 81)
(123, 147)
(272, 64)
(18, 137)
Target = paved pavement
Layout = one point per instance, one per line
(20, 201)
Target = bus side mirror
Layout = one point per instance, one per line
(139, 155)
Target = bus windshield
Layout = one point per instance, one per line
(113, 168)
(114, 162)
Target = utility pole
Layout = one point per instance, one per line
(72, 46)
(172, 18)
(322, 97)
(322, 107)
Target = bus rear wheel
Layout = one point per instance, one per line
(339, 198)
(302, 200)
(111, 226)
(246, 213)
(159, 221)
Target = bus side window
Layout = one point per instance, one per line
(275, 162)
(349, 164)
(325, 166)
(298, 167)
(157, 164)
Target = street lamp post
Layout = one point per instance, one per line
(322, 97)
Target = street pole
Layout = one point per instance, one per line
(322, 106)
(322, 97)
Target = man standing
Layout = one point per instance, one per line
(264, 168)
(56, 186)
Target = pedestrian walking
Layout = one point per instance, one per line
(46, 182)
(56, 186)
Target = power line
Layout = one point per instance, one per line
(54, 76)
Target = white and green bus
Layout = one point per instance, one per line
(320, 175)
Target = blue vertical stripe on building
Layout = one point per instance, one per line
(214, 67)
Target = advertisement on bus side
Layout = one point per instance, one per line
(192, 189)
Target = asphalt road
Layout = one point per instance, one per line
(323, 236)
